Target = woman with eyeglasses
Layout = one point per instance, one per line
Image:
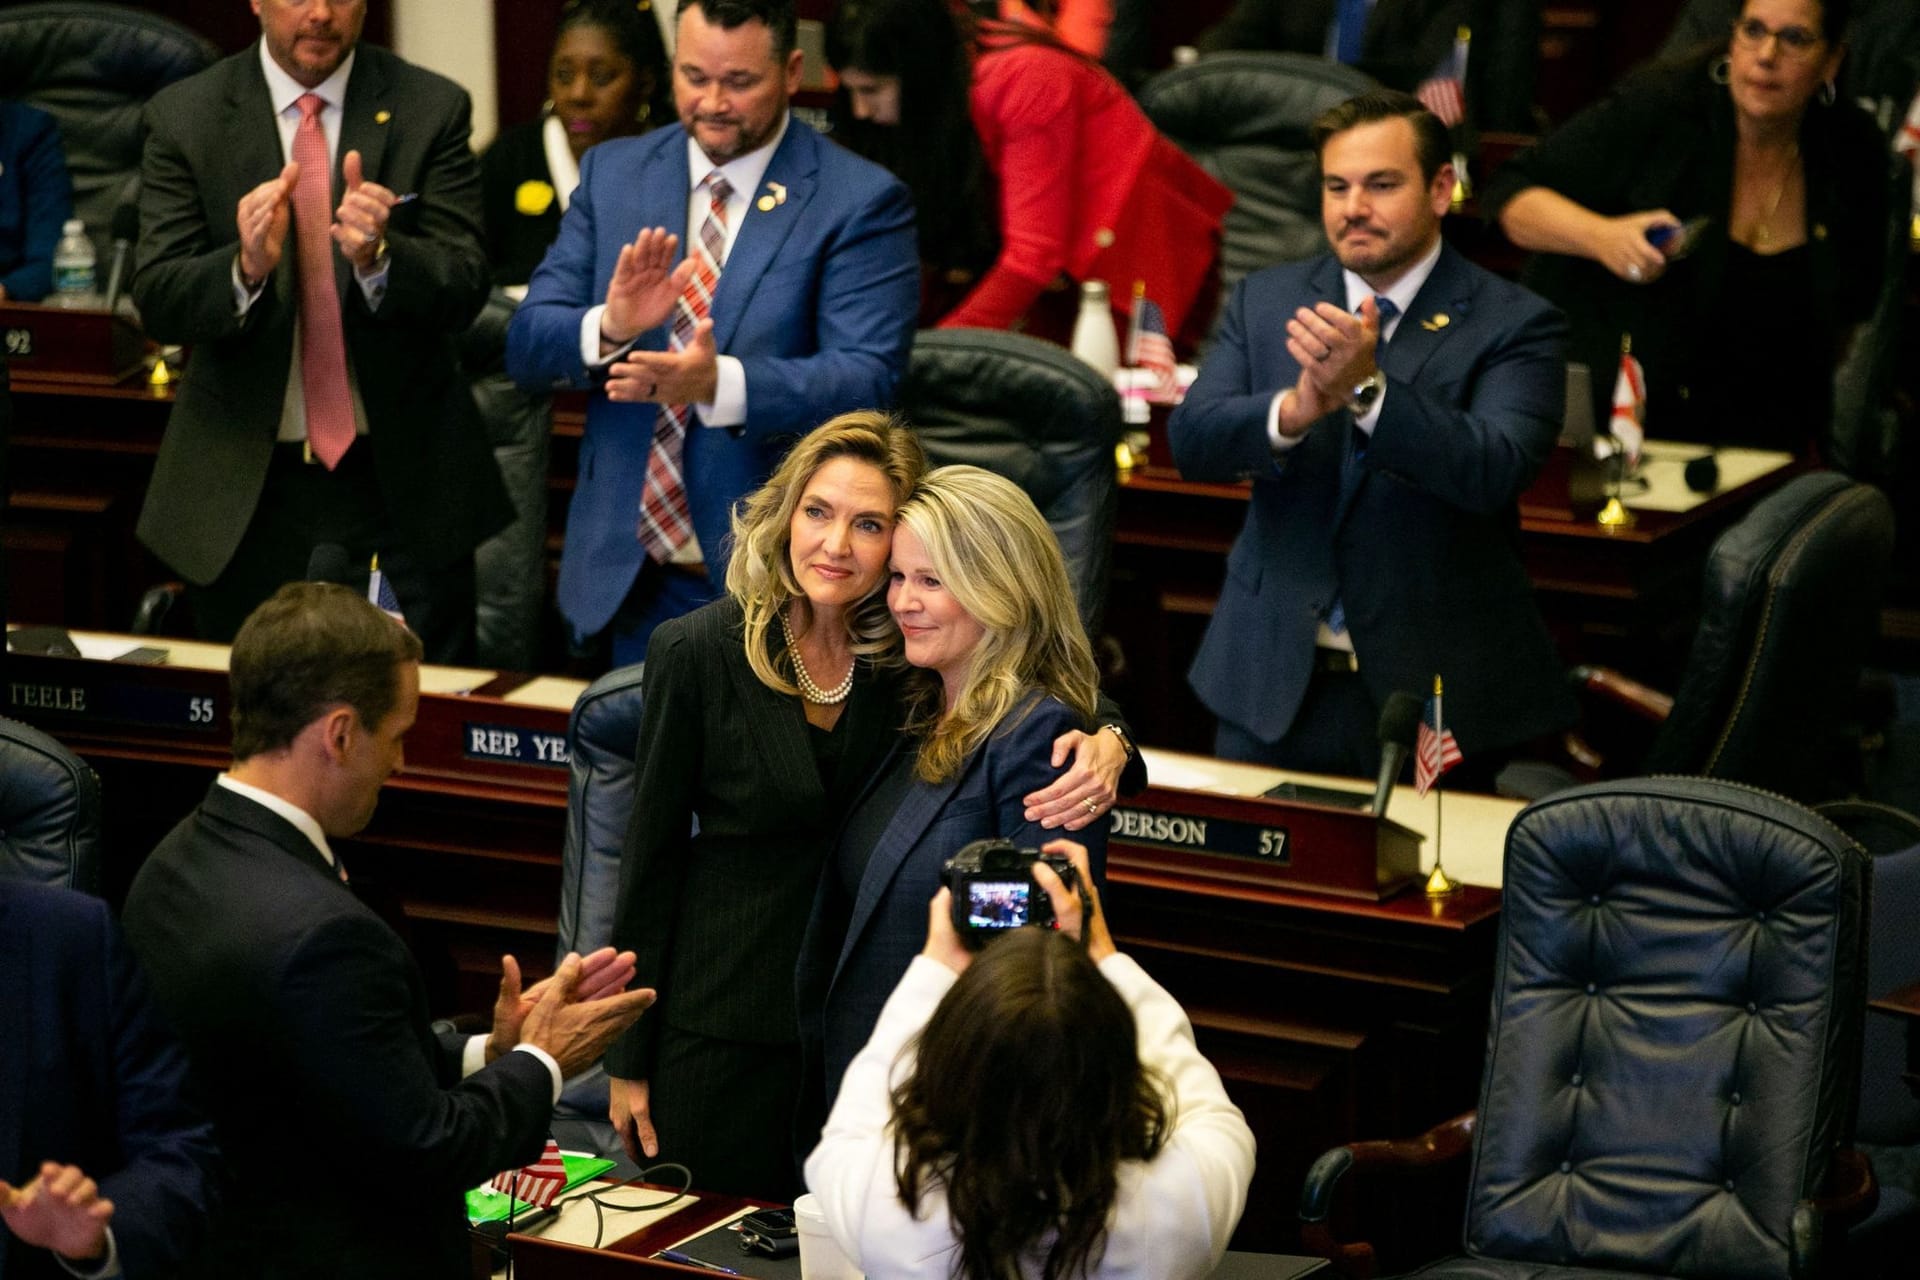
(1726, 214)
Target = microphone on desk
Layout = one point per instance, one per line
(1399, 722)
(1703, 472)
(126, 229)
(329, 563)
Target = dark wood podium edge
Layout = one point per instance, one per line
(1902, 1002)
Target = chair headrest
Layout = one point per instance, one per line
(1676, 1045)
(1790, 603)
(49, 811)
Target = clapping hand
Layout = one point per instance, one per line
(61, 1210)
(644, 287)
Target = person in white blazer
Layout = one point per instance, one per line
(1040, 1101)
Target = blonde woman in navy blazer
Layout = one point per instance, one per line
(980, 593)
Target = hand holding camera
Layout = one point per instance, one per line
(993, 886)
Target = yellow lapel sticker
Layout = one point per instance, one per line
(1439, 321)
(533, 197)
(381, 117)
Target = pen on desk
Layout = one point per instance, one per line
(688, 1260)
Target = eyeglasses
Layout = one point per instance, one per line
(1797, 42)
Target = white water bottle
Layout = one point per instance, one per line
(73, 264)
(1095, 337)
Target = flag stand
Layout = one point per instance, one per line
(1432, 760)
(1439, 883)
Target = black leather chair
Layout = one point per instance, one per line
(1030, 411)
(1790, 605)
(1245, 117)
(93, 67)
(603, 732)
(49, 811)
(1674, 1054)
(1889, 1122)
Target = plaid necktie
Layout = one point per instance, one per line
(323, 349)
(665, 522)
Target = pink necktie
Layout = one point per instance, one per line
(323, 351)
(665, 523)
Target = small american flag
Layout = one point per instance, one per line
(539, 1183)
(1435, 751)
(1445, 92)
(1628, 423)
(380, 593)
(1147, 344)
(1907, 141)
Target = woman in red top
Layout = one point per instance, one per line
(983, 117)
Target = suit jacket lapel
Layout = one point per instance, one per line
(921, 805)
(362, 129)
(254, 137)
(793, 169)
(780, 735)
(231, 807)
(16, 1037)
(1447, 293)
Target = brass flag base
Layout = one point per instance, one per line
(1440, 884)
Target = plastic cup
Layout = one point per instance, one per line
(820, 1255)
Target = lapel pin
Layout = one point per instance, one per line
(776, 194)
(765, 204)
(1440, 321)
(381, 117)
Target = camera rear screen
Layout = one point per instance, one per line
(998, 904)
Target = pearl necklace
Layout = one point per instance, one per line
(808, 689)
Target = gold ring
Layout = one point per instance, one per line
(1093, 806)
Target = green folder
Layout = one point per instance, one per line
(484, 1204)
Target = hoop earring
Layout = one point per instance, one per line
(1720, 70)
(642, 113)
(1828, 93)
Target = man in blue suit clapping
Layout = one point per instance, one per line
(725, 284)
(1390, 401)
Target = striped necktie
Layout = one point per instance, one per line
(665, 521)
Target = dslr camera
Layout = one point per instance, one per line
(994, 889)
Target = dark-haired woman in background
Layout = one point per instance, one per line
(1739, 337)
(1027, 162)
(1039, 1109)
(607, 76)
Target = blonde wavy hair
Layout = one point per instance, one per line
(760, 567)
(998, 559)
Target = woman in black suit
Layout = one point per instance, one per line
(764, 714)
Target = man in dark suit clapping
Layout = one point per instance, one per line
(351, 1128)
(1390, 401)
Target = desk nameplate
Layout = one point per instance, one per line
(1257, 840)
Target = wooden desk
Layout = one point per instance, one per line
(1904, 1003)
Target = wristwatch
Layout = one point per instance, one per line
(1364, 393)
(1125, 741)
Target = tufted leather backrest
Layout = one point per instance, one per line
(1030, 411)
(603, 732)
(49, 811)
(93, 67)
(1675, 1044)
(1790, 604)
(1245, 118)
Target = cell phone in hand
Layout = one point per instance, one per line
(1677, 240)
